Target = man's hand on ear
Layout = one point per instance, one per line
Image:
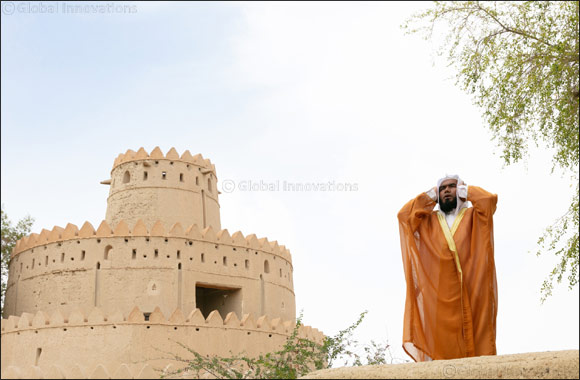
(462, 190)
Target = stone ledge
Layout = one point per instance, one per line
(534, 365)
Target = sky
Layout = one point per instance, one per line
(275, 95)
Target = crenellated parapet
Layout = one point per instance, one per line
(49, 340)
(156, 154)
(264, 324)
(139, 229)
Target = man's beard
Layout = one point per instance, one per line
(447, 206)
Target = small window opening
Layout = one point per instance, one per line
(266, 266)
(180, 177)
(107, 250)
(164, 175)
(83, 255)
(225, 260)
(197, 181)
(62, 257)
(209, 184)
(98, 265)
(179, 266)
(203, 258)
(38, 352)
(33, 263)
(126, 177)
(146, 316)
(145, 176)
(178, 255)
(46, 261)
(247, 264)
(156, 253)
(134, 254)
(280, 272)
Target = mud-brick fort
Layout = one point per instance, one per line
(157, 272)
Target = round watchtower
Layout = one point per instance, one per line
(168, 188)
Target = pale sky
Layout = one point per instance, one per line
(295, 93)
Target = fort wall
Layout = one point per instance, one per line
(53, 342)
(65, 269)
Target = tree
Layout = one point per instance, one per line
(519, 61)
(10, 234)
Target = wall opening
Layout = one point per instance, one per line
(33, 263)
(247, 264)
(163, 175)
(145, 176)
(203, 257)
(126, 177)
(224, 299)
(197, 181)
(266, 266)
(46, 261)
(156, 253)
(134, 255)
(209, 184)
(62, 257)
(38, 352)
(180, 177)
(107, 250)
(83, 253)
(262, 296)
(178, 254)
(97, 284)
(203, 207)
(225, 260)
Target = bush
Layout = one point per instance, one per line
(297, 357)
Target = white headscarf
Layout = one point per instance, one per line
(450, 217)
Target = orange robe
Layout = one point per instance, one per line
(451, 304)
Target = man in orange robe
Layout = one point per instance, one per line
(451, 304)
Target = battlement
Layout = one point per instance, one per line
(87, 231)
(76, 318)
(157, 154)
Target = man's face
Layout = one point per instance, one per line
(448, 195)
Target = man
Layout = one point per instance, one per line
(451, 305)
